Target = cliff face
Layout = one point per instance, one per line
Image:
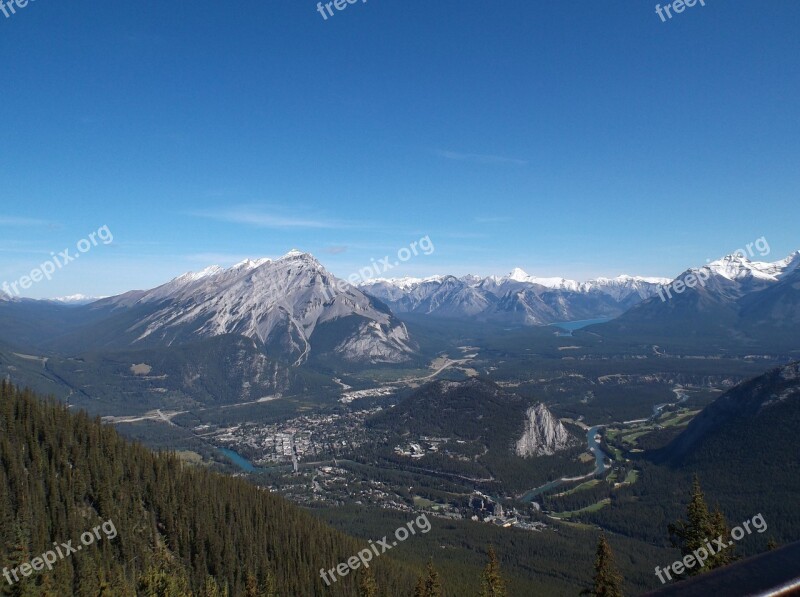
(543, 435)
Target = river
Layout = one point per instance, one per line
(599, 469)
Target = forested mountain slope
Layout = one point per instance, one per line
(62, 474)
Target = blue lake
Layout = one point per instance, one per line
(238, 460)
(571, 326)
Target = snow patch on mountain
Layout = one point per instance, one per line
(623, 287)
(520, 275)
(517, 298)
(76, 299)
(742, 275)
(518, 278)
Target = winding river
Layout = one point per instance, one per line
(599, 469)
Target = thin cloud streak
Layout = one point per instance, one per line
(261, 219)
(492, 220)
(336, 250)
(479, 158)
(16, 221)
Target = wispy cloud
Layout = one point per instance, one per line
(479, 158)
(463, 235)
(260, 218)
(336, 250)
(17, 221)
(491, 219)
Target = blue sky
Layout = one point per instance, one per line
(566, 138)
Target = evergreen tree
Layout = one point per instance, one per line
(720, 528)
(492, 584)
(428, 584)
(163, 578)
(251, 586)
(367, 587)
(695, 532)
(269, 586)
(607, 580)
(210, 588)
(419, 589)
(701, 527)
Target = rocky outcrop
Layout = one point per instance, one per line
(544, 435)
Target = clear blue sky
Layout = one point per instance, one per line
(566, 138)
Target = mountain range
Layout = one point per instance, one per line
(292, 309)
(733, 299)
(516, 298)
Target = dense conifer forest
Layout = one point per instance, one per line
(181, 529)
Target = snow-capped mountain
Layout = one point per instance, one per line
(443, 296)
(521, 276)
(517, 298)
(731, 298)
(623, 288)
(739, 269)
(282, 303)
(75, 299)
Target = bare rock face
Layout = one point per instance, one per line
(280, 303)
(544, 435)
(377, 342)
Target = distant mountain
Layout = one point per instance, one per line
(732, 299)
(75, 299)
(259, 328)
(769, 402)
(744, 448)
(517, 298)
(442, 296)
(777, 305)
(281, 304)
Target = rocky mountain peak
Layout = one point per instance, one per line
(544, 435)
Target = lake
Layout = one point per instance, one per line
(238, 460)
(571, 326)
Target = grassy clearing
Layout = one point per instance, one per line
(632, 476)
(423, 502)
(681, 419)
(593, 508)
(581, 487)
